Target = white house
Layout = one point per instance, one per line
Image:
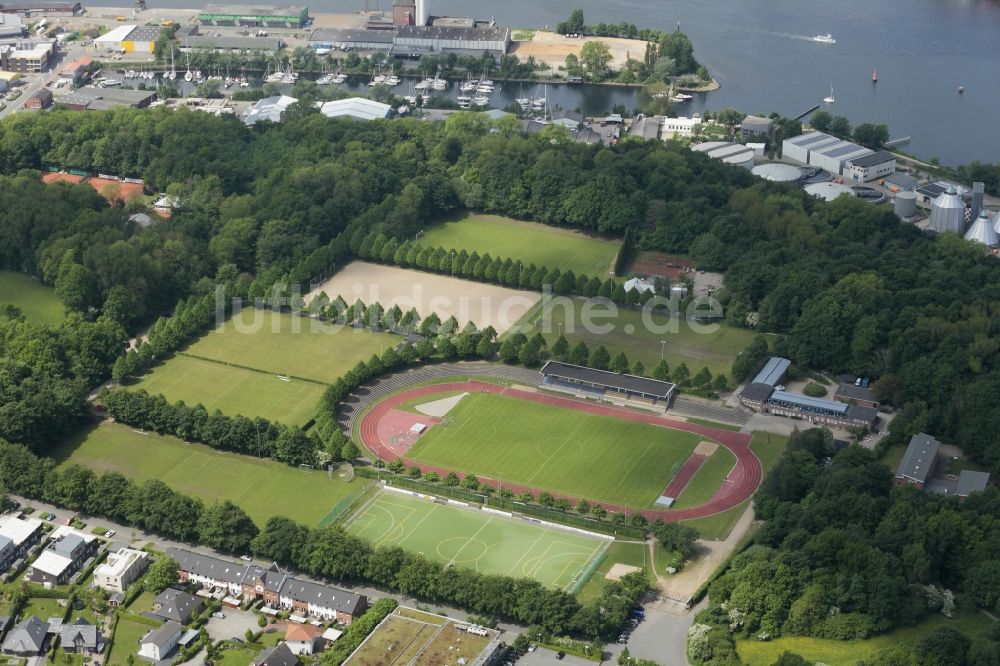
(120, 569)
(671, 128)
(159, 642)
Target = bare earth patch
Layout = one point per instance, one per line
(552, 48)
(705, 448)
(619, 571)
(440, 408)
(484, 304)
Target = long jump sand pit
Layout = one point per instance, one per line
(552, 48)
(483, 304)
(619, 571)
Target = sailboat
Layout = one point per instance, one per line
(830, 99)
(172, 74)
(188, 75)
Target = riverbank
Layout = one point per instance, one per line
(711, 86)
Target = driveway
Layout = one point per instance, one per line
(661, 636)
(234, 625)
(545, 657)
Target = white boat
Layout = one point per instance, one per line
(403, 110)
(410, 99)
(392, 80)
(468, 85)
(172, 74)
(830, 99)
(424, 85)
(480, 100)
(437, 83)
(110, 83)
(825, 39)
(463, 98)
(523, 102)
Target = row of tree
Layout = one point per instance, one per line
(869, 135)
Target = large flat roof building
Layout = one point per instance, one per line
(11, 25)
(357, 108)
(821, 150)
(773, 371)
(100, 99)
(230, 43)
(870, 167)
(727, 152)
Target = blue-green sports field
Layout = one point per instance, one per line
(487, 542)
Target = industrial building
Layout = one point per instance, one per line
(255, 16)
(948, 213)
(41, 7)
(357, 108)
(416, 40)
(40, 100)
(11, 25)
(102, 99)
(404, 12)
(129, 39)
(268, 108)
(727, 152)
(27, 55)
(227, 44)
(870, 167)
(358, 40)
(824, 151)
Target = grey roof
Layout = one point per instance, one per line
(972, 482)
(948, 213)
(919, 458)
(809, 139)
(358, 108)
(256, 10)
(862, 413)
(982, 231)
(321, 595)
(280, 655)
(4, 621)
(757, 392)
(351, 35)
(5, 543)
(272, 576)
(67, 545)
(646, 127)
(808, 402)
(84, 96)
(873, 159)
(162, 634)
(141, 219)
(208, 566)
(26, 636)
(144, 33)
(268, 108)
(452, 33)
(233, 43)
(996, 223)
(772, 371)
(188, 636)
(852, 392)
(629, 383)
(902, 180)
(757, 122)
(176, 605)
(80, 634)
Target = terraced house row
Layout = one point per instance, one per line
(277, 589)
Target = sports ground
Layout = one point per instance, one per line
(489, 543)
(537, 442)
(37, 301)
(233, 390)
(564, 451)
(529, 242)
(261, 487)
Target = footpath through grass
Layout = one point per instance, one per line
(560, 450)
(37, 301)
(529, 242)
(849, 653)
(627, 330)
(261, 487)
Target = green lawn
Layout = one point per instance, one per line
(37, 301)
(127, 637)
(43, 607)
(707, 479)
(637, 334)
(620, 552)
(233, 390)
(768, 447)
(280, 343)
(529, 242)
(262, 487)
(560, 450)
(489, 543)
(234, 655)
(848, 653)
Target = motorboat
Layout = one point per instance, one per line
(825, 39)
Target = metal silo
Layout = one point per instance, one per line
(905, 204)
(982, 231)
(948, 213)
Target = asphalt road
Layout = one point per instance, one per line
(36, 82)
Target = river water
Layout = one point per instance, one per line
(762, 54)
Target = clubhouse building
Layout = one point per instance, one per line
(618, 389)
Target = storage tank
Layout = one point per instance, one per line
(948, 213)
(982, 231)
(996, 223)
(778, 173)
(905, 204)
(829, 191)
(422, 12)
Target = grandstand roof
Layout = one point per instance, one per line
(627, 383)
(772, 371)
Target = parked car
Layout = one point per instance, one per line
(219, 614)
(110, 533)
(560, 654)
(246, 558)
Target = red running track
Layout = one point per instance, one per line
(738, 486)
(684, 475)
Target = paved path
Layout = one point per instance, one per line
(738, 486)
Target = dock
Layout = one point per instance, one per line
(806, 112)
(901, 141)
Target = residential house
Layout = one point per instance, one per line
(280, 655)
(17, 536)
(306, 598)
(918, 462)
(80, 637)
(208, 571)
(176, 605)
(301, 638)
(27, 639)
(755, 126)
(856, 395)
(63, 557)
(160, 642)
(121, 569)
(263, 584)
(40, 100)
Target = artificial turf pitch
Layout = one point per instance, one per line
(529, 242)
(489, 543)
(564, 451)
(261, 487)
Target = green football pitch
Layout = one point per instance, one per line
(261, 487)
(560, 450)
(530, 242)
(37, 301)
(489, 543)
(233, 390)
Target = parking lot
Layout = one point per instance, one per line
(546, 657)
(233, 625)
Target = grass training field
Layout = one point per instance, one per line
(707, 479)
(530, 242)
(37, 301)
(628, 333)
(489, 543)
(261, 487)
(233, 390)
(560, 450)
(283, 344)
